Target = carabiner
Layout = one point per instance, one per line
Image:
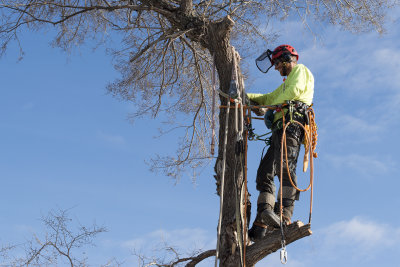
(283, 255)
(283, 252)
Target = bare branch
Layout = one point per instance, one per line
(202, 256)
(60, 240)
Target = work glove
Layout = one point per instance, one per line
(257, 111)
(269, 118)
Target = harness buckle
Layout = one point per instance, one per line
(291, 110)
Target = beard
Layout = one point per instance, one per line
(284, 71)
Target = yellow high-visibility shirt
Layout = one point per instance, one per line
(298, 86)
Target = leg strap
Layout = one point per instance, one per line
(260, 225)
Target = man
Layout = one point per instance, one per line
(298, 88)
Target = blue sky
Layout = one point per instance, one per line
(65, 143)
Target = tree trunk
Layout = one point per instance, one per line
(223, 57)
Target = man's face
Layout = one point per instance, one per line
(284, 68)
(279, 66)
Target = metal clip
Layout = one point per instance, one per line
(283, 253)
(291, 110)
(283, 256)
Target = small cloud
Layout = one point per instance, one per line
(115, 140)
(387, 57)
(361, 127)
(353, 124)
(360, 232)
(360, 237)
(366, 165)
(355, 241)
(390, 110)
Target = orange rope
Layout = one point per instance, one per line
(286, 156)
(313, 130)
(312, 140)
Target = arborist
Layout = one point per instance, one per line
(294, 95)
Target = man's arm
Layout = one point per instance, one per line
(252, 102)
(259, 99)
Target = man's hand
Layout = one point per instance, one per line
(259, 111)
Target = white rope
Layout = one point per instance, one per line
(221, 200)
(214, 88)
(239, 137)
(238, 213)
(243, 188)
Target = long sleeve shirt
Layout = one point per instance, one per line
(298, 86)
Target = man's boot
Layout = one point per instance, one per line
(260, 225)
(258, 230)
(287, 213)
(265, 209)
(269, 217)
(264, 219)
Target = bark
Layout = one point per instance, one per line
(221, 49)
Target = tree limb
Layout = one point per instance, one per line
(272, 242)
(200, 257)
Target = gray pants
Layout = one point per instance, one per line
(270, 167)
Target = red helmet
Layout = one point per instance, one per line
(282, 50)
